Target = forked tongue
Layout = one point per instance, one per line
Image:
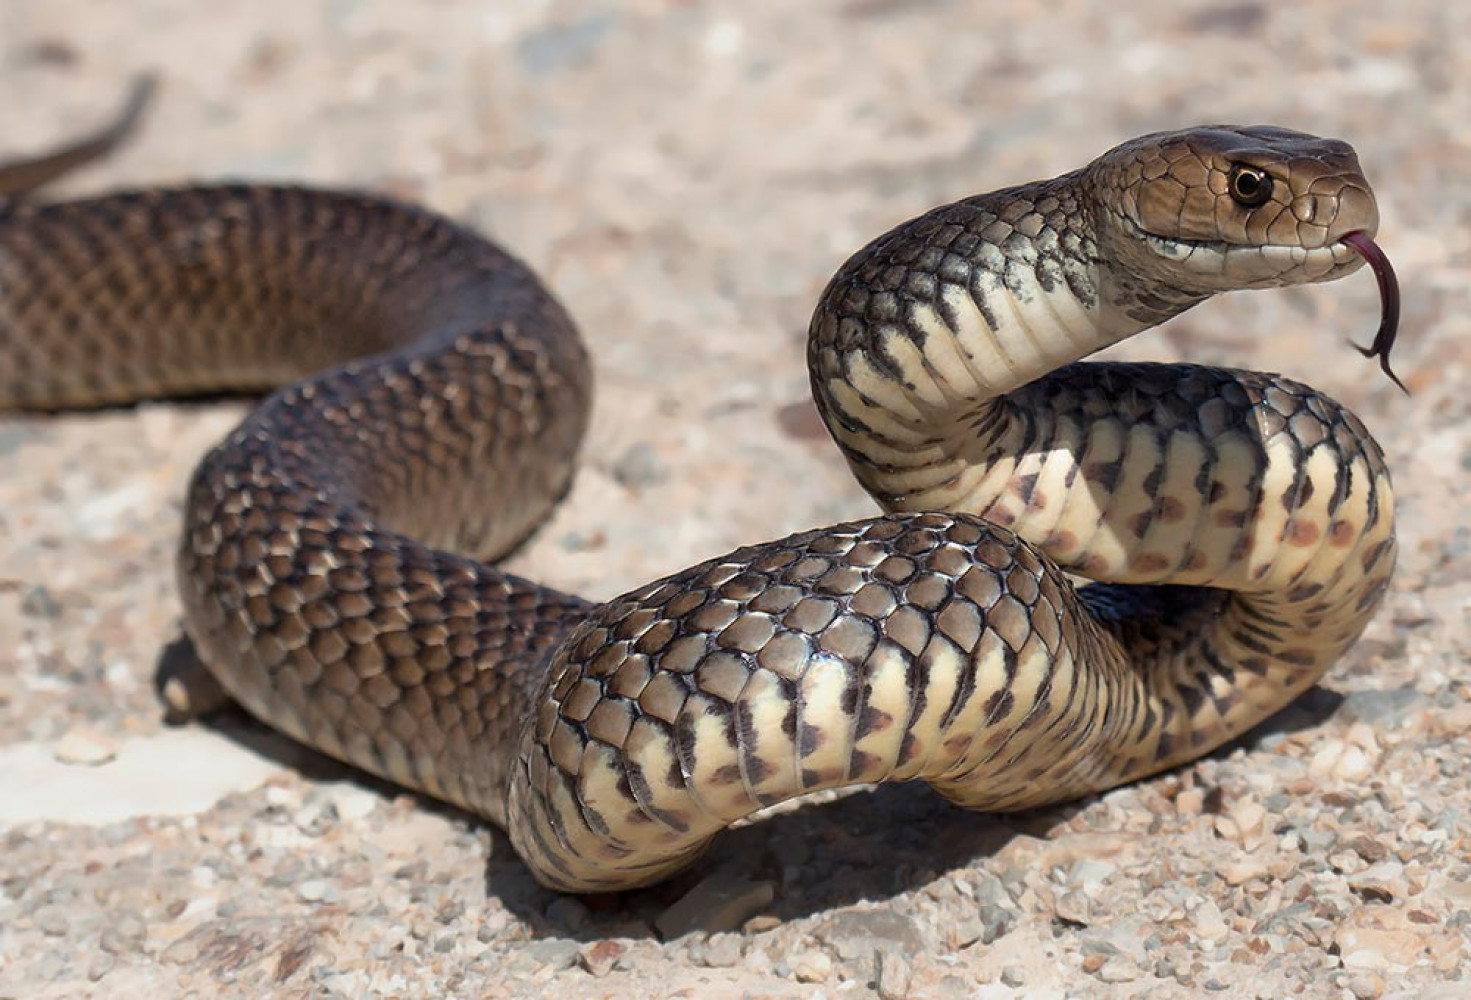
(1389, 299)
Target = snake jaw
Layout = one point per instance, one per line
(1222, 265)
(1362, 244)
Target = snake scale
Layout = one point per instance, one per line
(435, 395)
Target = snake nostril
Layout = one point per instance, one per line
(1305, 208)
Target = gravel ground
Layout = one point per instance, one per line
(687, 175)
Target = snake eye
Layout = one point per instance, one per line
(1251, 187)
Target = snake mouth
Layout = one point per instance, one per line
(1266, 264)
(1223, 265)
(1288, 256)
(1378, 262)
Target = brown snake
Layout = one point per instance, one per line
(436, 395)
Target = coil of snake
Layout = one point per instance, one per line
(435, 395)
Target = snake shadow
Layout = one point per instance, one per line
(866, 845)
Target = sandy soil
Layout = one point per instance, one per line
(687, 175)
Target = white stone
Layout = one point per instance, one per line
(175, 773)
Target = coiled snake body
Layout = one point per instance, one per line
(436, 395)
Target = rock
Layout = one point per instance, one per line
(719, 902)
(99, 966)
(1209, 923)
(640, 466)
(1368, 848)
(1075, 907)
(1381, 882)
(1243, 822)
(965, 930)
(184, 951)
(84, 746)
(1378, 708)
(1346, 862)
(991, 890)
(1455, 891)
(1366, 986)
(891, 973)
(350, 802)
(1089, 874)
(1341, 761)
(721, 951)
(599, 957)
(123, 935)
(37, 602)
(1376, 938)
(561, 46)
(760, 924)
(345, 984)
(811, 965)
(317, 890)
(53, 920)
(1128, 936)
(1190, 802)
(995, 921)
(1242, 870)
(1118, 969)
(1453, 721)
(853, 934)
(201, 768)
(555, 954)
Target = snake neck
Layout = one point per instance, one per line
(921, 337)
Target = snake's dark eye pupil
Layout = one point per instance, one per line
(1250, 187)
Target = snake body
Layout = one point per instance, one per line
(435, 396)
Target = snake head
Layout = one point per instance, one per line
(1219, 208)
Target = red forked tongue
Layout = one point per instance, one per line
(1388, 297)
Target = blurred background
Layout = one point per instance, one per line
(687, 176)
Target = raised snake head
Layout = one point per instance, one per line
(1219, 208)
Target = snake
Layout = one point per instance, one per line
(424, 400)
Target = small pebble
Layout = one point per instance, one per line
(184, 951)
(1341, 761)
(721, 951)
(599, 957)
(553, 954)
(53, 921)
(1242, 870)
(1366, 985)
(1381, 882)
(316, 890)
(760, 924)
(811, 965)
(1369, 849)
(1118, 969)
(892, 974)
(38, 603)
(1190, 802)
(123, 935)
(352, 804)
(996, 921)
(852, 934)
(99, 966)
(639, 467)
(84, 746)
